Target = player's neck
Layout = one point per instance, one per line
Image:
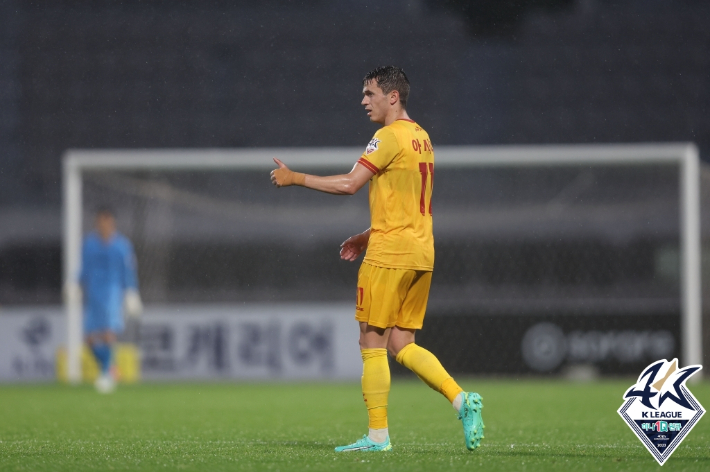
(396, 114)
(107, 237)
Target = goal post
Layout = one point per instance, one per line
(76, 163)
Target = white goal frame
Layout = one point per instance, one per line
(75, 162)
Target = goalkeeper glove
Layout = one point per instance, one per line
(132, 302)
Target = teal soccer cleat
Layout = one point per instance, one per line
(470, 416)
(366, 445)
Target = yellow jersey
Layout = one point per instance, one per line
(401, 236)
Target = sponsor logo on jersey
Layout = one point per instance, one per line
(372, 146)
(660, 409)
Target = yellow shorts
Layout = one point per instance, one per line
(392, 297)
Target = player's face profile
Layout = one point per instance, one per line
(375, 102)
(105, 225)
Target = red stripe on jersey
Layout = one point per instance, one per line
(404, 119)
(369, 165)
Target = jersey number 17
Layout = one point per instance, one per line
(426, 168)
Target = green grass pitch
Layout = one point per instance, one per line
(530, 425)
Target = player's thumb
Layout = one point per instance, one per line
(279, 163)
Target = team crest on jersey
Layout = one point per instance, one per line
(660, 409)
(372, 146)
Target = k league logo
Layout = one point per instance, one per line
(372, 146)
(660, 409)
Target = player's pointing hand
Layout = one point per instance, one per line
(283, 176)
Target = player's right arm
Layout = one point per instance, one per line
(378, 154)
(354, 245)
(344, 184)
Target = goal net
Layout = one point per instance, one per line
(545, 256)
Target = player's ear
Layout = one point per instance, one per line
(394, 97)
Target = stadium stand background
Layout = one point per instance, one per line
(161, 74)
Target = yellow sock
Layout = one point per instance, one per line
(429, 369)
(375, 385)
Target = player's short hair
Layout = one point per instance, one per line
(105, 210)
(390, 78)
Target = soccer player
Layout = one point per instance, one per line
(108, 280)
(395, 276)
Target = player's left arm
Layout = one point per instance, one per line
(131, 300)
(354, 245)
(130, 276)
(344, 184)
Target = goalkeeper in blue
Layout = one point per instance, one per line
(109, 284)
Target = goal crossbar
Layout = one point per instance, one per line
(685, 155)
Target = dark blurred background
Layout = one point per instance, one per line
(154, 73)
(278, 73)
